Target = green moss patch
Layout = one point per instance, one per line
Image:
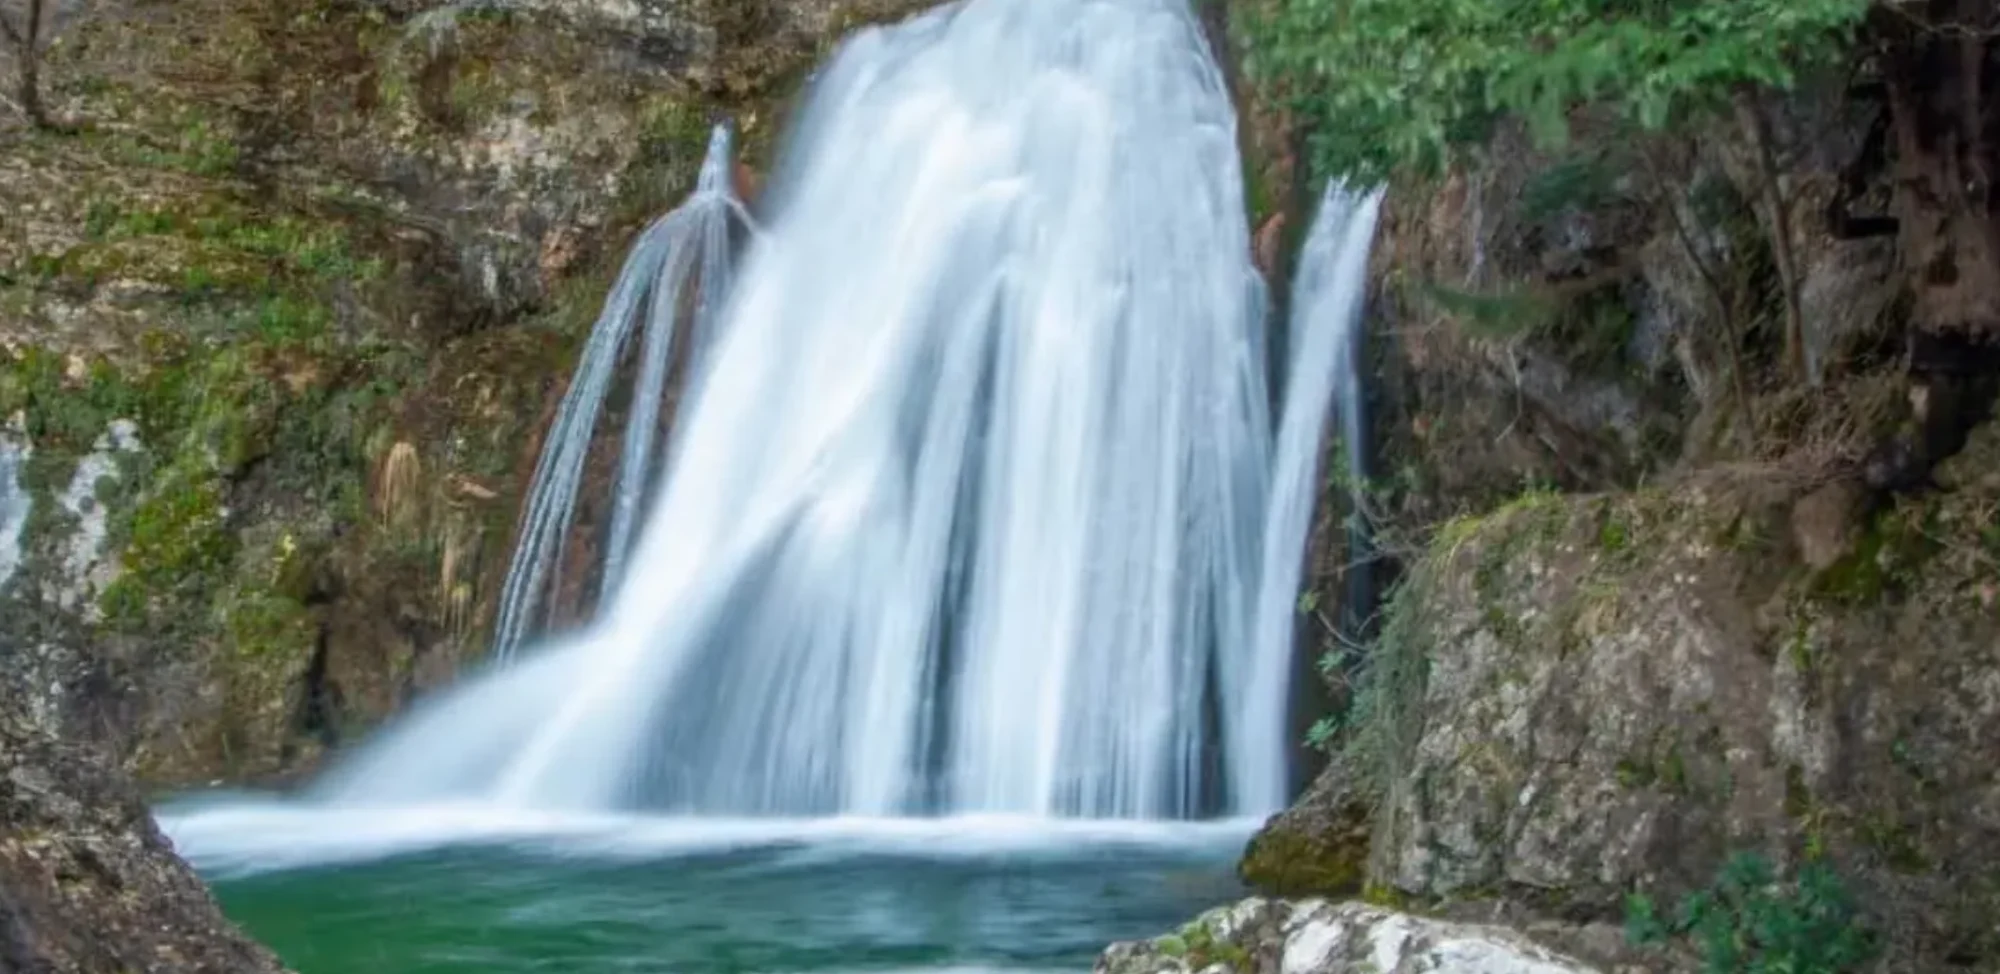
(1287, 860)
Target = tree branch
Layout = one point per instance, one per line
(1752, 120)
(12, 32)
(1720, 295)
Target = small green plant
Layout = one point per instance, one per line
(1197, 943)
(1378, 730)
(1749, 922)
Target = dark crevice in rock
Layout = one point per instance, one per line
(1955, 379)
(320, 703)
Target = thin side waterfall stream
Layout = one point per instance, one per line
(683, 257)
(15, 506)
(950, 621)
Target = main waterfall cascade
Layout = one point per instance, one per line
(975, 505)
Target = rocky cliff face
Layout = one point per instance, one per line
(87, 883)
(284, 308)
(1617, 692)
(1661, 603)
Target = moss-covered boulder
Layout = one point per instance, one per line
(1318, 847)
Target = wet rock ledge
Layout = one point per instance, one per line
(87, 882)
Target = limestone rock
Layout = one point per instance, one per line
(1620, 692)
(310, 236)
(87, 883)
(86, 567)
(1259, 936)
(1824, 521)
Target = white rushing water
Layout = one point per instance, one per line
(673, 282)
(1324, 344)
(976, 506)
(15, 504)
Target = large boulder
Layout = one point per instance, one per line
(87, 883)
(1582, 696)
(1259, 936)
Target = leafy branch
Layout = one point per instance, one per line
(1396, 87)
(1750, 923)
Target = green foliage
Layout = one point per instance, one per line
(177, 547)
(301, 411)
(1593, 326)
(1324, 729)
(211, 247)
(1585, 181)
(1198, 945)
(673, 139)
(198, 146)
(1516, 313)
(1885, 562)
(1384, 716)
(62, 415)
(1615, 536)
(1394, 85)
(1750, 923)
(267, 624)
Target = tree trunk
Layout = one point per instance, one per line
(1942, 83)
(31, 87)
(1941, 67)
(27, 38)
(1799, 365)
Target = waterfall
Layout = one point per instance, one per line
(15, 505)
(684, 257)
(1324, 334)
(976, 505)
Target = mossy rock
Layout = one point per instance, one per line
(1666, 660)
(1289, 858)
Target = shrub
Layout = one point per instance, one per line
(1388, 86)
(1750, 923)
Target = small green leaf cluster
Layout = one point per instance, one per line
(1394, 86)
(1199, 946)
(1750, 923)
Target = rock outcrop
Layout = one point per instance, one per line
(282, 319)
(1259, 936)
(1589, 695)
(1658, 604)
(87, 883)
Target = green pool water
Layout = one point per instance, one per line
(605, 902)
